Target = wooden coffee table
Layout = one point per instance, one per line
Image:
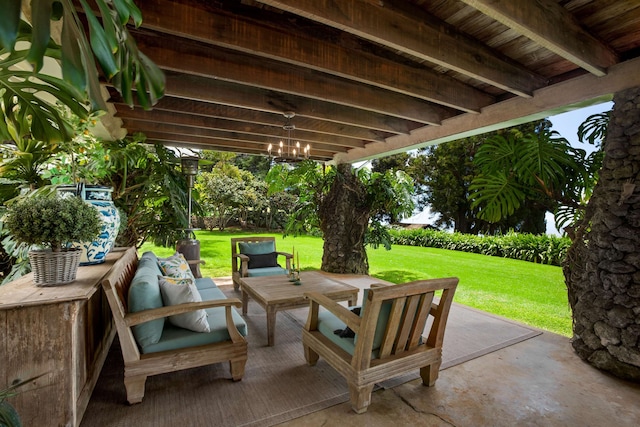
(275, 293)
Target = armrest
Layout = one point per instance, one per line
(288, 257)
(244, 264)
(351, 319)
(195, 261)
(132, 319)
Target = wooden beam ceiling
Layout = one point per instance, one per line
(367, 78)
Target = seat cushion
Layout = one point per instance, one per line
(256, 248)
(175, 338)
(267, 271)
(205, 283)
(144, 294)
(328, 323)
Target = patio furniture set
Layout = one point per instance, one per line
(188, 322)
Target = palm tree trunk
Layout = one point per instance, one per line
(344, 219)
(602, 271)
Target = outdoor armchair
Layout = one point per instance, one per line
(256, 256)
(388, 334)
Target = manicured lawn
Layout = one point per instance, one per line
(533, 294)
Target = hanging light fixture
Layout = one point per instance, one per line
(288, 150)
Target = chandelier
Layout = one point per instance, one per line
(288, 150)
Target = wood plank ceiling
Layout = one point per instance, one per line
(367, 78)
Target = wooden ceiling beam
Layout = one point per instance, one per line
(564, 96)
(549, 24)
(220, 92)
(234, 33)
(170, 109)
(418, 38)
(210, 126)
(206, 61)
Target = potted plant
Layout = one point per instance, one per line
(52, 222)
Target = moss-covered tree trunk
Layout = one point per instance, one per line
(602, 270)
(344, 218)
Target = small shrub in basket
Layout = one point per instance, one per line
(52, 222)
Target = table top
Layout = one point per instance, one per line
(22, 292)
(278, 289)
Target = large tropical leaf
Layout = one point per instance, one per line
(594, 129)
(497, 196)
(109, 44)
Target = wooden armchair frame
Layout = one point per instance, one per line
(403, 347)
(138, 366)
(240, 262)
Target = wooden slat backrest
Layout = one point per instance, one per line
(412, 303)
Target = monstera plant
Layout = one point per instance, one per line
(25, 111)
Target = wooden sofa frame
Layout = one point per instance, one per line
(240, 262)
(138, 366)
(403, 347)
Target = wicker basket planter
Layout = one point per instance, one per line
(54, 268)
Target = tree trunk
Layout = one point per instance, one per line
(602, 270)
(344, 219)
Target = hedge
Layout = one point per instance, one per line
(541, 249)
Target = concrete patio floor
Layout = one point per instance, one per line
(538, 382)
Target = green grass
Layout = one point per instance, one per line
(530, 293)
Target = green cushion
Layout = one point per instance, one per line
(205, 283)
(174, 338)
(266, 271)
(144, 294)
(327, 323)
(257, 248)
(383, 319)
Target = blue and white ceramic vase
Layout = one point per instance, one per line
(99, 196)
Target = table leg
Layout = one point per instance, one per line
(245, 302)
(353, 300)
(271, 325)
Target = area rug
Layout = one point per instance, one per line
(278, 385)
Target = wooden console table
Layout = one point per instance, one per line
(63, 332)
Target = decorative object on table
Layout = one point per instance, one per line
(294, 272)
(95, 251)
(53, 222)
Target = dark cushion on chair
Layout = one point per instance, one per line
(263, 260)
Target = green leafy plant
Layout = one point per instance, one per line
(109, 45)
(52, 221)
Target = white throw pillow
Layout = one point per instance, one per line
(175, 266)
(177, 291)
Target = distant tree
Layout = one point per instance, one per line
(258, 165)
(394, 162)
(228, 192)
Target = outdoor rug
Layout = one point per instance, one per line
(278, 385)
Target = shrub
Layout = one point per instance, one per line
(523, 246)
(52, 221)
